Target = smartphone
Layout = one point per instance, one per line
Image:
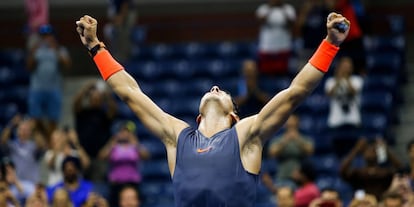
(327, 204)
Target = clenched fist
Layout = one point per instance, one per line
(86, 28)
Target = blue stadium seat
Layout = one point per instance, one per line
(144, 70)
(155, 147)
(380, 83)
(269, 166)
(185, 106)
(374, 123)
(141, 53)
(191, 50)
(179, 69)
(12, 57)
(327, 165)
(161, 51)
(155, 170)
(138, 34)
(384, 63)
(7, 111)
(198, 87)
(6, 76)
(316, 104)
(380, 102)
(385, 43)
(273, 85)
(124, 112)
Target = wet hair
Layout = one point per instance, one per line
(235, 106)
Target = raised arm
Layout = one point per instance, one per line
(163, 125)
(277, 110)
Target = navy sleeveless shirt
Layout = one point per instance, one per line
(209, 171)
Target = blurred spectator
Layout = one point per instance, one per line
(129, 197)
(94, 108)
(304, 176)
(401, 185)
(95, 200)
(392, 199)
(73, 183)
(374, 176)
(38, 198)
(289, 149)
(45, 95)
(353, 45)
(122, 18)
(20, 189)
(363, 200)
(124, 153)
(285, 197)
(22, 149)
(344, 90)
(37, 12)
(63, 143)
(329, 198)
(275, 38)
(251, 98)
(61, 198)
(7, 198)
(310, 26)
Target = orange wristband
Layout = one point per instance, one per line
(106, 64)
(324, 56)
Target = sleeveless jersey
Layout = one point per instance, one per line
(209, 171)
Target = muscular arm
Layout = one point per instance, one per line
(277, 110)
(156, 120)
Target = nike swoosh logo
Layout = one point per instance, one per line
(200, 150)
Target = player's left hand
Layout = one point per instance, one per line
(335, 36)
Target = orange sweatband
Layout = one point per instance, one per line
(106, 64)
(324, 56)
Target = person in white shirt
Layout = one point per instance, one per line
(275, 39)
(344, 90)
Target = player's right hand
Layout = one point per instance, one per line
(86, 28)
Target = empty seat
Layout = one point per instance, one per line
(384, 63)
(384, 43)
(326, 164)
(376, 102)
(374, 123)
(161, 51)
(155, 147)
(380, 83)
(155, 170)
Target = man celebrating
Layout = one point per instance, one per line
(218, 163)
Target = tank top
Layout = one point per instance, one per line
(209, 171)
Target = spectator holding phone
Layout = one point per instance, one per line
(124, 153)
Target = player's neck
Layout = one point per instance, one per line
(211, 123)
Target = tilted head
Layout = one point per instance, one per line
(218, 102)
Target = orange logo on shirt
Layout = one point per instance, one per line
(200, 150)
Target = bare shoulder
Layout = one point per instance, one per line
(244, 129)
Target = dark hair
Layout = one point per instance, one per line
(73, 160)
(129, 186)
(5, 161)
(307, 169)
(235, 106)
(392, 195)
